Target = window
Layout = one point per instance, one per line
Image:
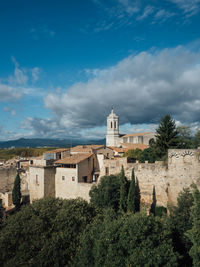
(107, 170)
(63, 178)
(31, 162)
(36, 179)
(73, 179)
(115, 125)
(111, 124)
(84, 179)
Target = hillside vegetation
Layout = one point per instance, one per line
(23, 152)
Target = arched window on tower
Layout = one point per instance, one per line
(115, 125)
(111, 124)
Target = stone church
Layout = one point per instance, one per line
(132, 141)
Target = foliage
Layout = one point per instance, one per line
(194, 233)
(160, 211)
(137, 196)
(197, 138)
(123, 191)
(184, 137)
(16, 192)
(106, 193)
(134, 154)
(129, 240)
(153, 205)
(132, 194)
(22, 152)
(166, 137)
(45, 233)
(181, 220)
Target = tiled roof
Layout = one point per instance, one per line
(134, 146)
(56, 150)
(138, 134)
(86, 148)
(119, 149)
(74, 159)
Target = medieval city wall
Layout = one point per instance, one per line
(181, 170)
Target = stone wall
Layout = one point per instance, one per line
(182, 169)
(7, 178)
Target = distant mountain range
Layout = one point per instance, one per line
(40, 142)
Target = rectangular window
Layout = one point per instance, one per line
(63, 178)
(107, 170)
(84, 179)
(73, 179)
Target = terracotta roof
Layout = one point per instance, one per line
(86, 148)
(134, 146)
(138, 134)
(56, 150)
(73, 159)
(119, 149)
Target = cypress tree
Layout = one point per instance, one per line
(132, 194)
(16, 192)
(123, 193)
(153, 205)
(137, 196)
(194, 233)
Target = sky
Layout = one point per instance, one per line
(65, 63)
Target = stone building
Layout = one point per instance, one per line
(114, 139)
(67, 173)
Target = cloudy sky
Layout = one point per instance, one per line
(64, 64)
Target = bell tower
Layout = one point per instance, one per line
(112, 136)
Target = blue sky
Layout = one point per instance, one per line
(64, 64)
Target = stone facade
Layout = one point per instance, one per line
(41, 182)
(182, 169)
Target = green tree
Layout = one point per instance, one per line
(16, 192)
(134, 154)
(123, 191)
(181, 220)
(166, 136)
(129, 240)
(106, 193)
(194, 233)
(132, 194)
(137, 196)
(197, 138)
(45, 233)
(184, 137)
(153, 205)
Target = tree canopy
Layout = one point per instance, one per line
(45, 233)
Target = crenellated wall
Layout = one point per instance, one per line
(181, 170)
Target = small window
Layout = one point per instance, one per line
(63, 178)
(84, 179)
(73, 179)
(107, 170)
(111, 124)
(115, 125)
(31, 162)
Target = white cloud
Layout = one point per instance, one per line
(142, 88)
(9, 93)
(19, 83)
(163, 15)
(147, 11)
(190, 7)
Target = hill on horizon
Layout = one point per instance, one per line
(43, 142)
